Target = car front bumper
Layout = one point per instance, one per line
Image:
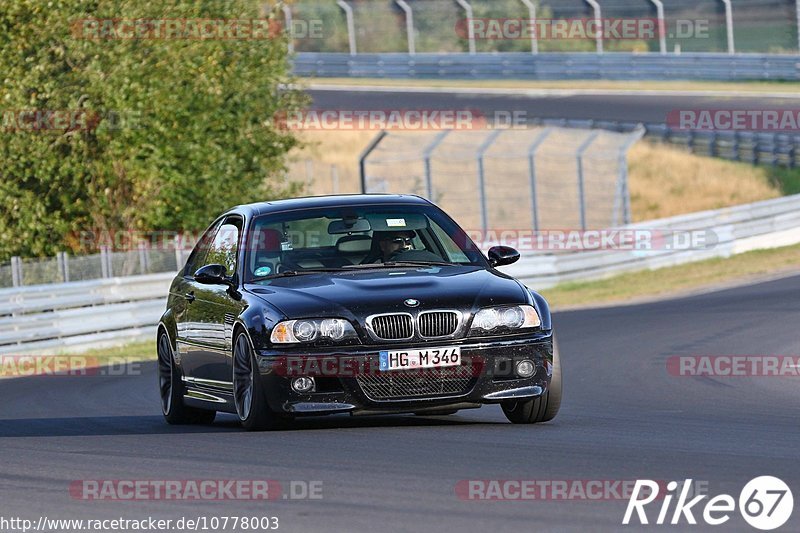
(347, 379)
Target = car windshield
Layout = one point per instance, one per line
(354, 238)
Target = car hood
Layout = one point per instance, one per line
(357, 294)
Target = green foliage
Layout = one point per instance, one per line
(787, 179)
(184, 127)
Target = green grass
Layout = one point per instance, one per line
(129, 353)
(786, 179)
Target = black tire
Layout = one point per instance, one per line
(443, 412)
(543, 408)
(172, 390)
(248, 391)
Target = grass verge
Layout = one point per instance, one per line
(679, 279)
(128, 353)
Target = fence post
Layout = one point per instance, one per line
(16, 271)
(470, 28)
(143, 266)
(362, 160)
(598, 20)
(427, 155)
(104, 262)
(334, 179)
(412, 49)
(532, 172)
(309, 172)
(623, 195)
(351, 25)
(287, 14)
(662, 26)
(63, 266)
(534, 29)
(482, 179)
(729, 25)
(797, 14)
(178, 252)
(581, 193)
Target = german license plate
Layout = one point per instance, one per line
(427, 358)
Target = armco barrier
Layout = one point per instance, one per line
(71, 316)
(551, 66)
(49, 318)
(760, 225)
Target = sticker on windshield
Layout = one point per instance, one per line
(263, 271)
(396, 222)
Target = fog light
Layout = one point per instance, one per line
(303, 385)
(525, 368)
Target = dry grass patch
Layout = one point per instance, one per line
(667, 181)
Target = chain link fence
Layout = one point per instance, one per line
(108, 263)
(438, 26)
(545, 177)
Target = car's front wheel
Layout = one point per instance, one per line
(171, 388)
(248, 391)
(543, 408)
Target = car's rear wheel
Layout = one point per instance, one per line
(543, 408)
(171, 389)
(248, 391)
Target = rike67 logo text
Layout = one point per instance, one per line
(765, 503)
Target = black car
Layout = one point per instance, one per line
(361, 304)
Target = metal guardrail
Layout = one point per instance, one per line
(551, 66)
(51, 318)
(738, 229)
(81, 314)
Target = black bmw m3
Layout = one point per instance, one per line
(362, 304)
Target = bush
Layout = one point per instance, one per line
(162, 133)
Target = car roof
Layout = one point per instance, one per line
(312, 202)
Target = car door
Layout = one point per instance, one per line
(212, 313)
(185, 294)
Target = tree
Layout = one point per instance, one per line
(101, 131)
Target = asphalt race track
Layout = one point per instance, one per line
(624, 417)
(646, 108)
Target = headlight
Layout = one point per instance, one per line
(308, 330)
(512, 317)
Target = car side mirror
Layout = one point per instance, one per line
(502, 255)
(212, 275)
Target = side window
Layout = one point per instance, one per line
(224, 250)
(198, 256)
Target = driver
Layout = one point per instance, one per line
(392, 243)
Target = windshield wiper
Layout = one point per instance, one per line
(393, 264)
(291, 273)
